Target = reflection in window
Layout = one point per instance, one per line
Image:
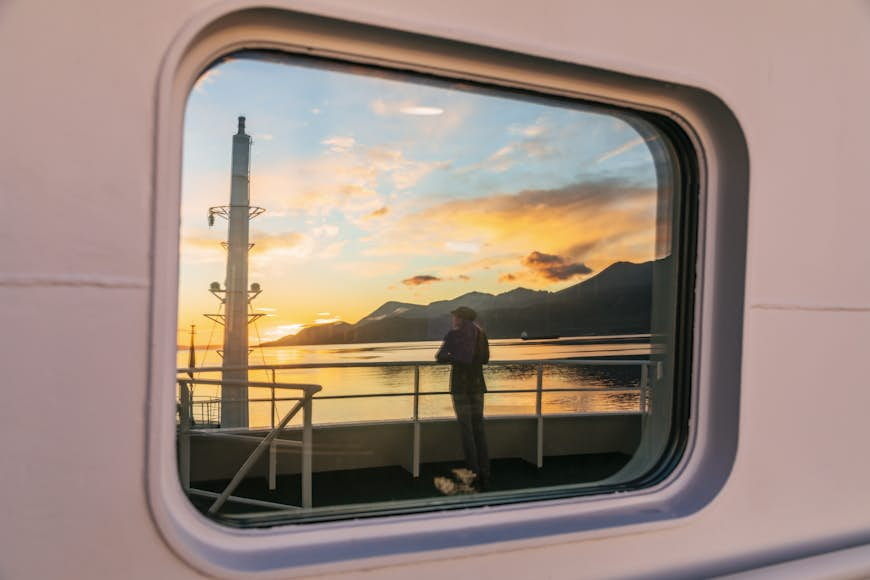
(343, 226)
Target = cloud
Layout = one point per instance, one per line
(417, 117)
(583, 249)
(419, 280)
(207, 78)
(509, 226)
(546, 268)
(200, 243)
(281, 331)
(331, 251)
(326, 318)
(204, 249)
(536, 141)
(406, 175)
(264, 136)
(356, 191)
(462, 247)
(381, 107)
(369, 268)
(501, 160)
(404, 172)
(482, 266)
(339, 144)
(384, 108)
(536, 129)
(355, 183)
(380, 212)
(588, 225)
(326, 230)
(201, 249)
(422, 111)
(553, 267)
(621, 149)
(265, 242)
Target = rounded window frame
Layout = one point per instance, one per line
(698, 471)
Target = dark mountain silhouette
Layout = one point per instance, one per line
(479, 301)
(616, 300)
(391, 308)
(332, 333)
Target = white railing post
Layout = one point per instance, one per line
(415, 459)
(184, 443)
(540, 416)
(273, 449)
(644, 386)
(306, 450)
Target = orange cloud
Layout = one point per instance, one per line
(197, 248)
(595, 215)
(269, 242)
(419, 280)
(550, 267)
(379, 212)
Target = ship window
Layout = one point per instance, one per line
(401, 293)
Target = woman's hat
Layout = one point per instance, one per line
(464, 312)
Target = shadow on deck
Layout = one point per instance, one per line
(393, 483)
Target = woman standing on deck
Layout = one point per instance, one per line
(466, 348)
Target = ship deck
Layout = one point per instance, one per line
(393, 483)
(366, 468)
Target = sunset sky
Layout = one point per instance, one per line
(380, 189)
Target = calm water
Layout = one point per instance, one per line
(513, 377)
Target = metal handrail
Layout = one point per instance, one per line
(547, 362)
(488, 392)
(303, 404)
(306, 388)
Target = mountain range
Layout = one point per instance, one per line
(616, 300)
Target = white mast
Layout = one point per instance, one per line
(235, 295)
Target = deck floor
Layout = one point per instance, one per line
(393, 483)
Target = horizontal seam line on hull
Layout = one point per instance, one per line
(809, 308)
(72, 281)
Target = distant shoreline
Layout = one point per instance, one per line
(571, 340)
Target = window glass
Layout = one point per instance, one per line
(400, 293)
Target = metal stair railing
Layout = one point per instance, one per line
(303, 404)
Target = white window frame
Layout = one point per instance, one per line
(342, 545)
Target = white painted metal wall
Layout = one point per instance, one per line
(78, 99)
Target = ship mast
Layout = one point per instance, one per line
(235, 295)
(191, 351)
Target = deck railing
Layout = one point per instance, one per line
(270, 441)
(305, 403)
